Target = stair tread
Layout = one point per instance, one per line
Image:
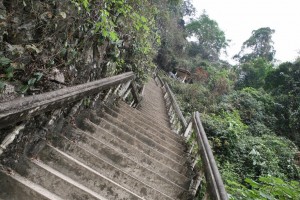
(153, 133)
(114, 157)
(112, 124)
(116, 178)
(140, 116)
(56, 182)
(153, 130)
(68, 179)
(145, 158)
(25, 187)
(80, 172)
(94, 159)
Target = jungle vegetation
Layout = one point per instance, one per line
(251, 111)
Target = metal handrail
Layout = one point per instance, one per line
(216, 188)
(27, 107)
(215, 183)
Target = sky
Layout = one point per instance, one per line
(238, 18)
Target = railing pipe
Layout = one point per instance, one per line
(215, 184)
(188, 130)
(216, 177)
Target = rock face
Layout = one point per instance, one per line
(111, 152)
(42, 35)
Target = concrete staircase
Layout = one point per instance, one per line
(112, 152)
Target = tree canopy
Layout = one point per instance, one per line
(259, 45)
(210, 38)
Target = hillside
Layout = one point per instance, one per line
(250, 111)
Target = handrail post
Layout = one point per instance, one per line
(188, 130)
(124, 88)
(137, 98)
(196, 182)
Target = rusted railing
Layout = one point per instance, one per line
(22, 109)
(194, 132)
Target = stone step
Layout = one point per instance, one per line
(114, 125)
(110, 171)
(178, 149)
(16, 187)
(56, 182)
(156, 102)
(85, 175)
(156, 115)
(155, 119)
(151, 160)
(122, 105)
(107, 161)
(150, 128)
(155, 99)
(156, 112)
(124, 108)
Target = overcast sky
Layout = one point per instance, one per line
(237, 18)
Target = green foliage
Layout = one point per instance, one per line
(171, 28)
(240, 127)
(211, 39)
(2, 86)
(261, 45)
(266, 188)
(87, 102)
(36, 77)
(255, 106)
(4, 61)
(220, 80)
(284, 85)
(129, 27)
(224, 130)
(285, 79)
(190, 97)
(242, 122)
(265, 155)
(188, 8)
(247, 155)
(253, 73)
(6, 68)
(256, 109)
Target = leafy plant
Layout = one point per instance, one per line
(4, 61)
(6, 68)
(36, 77)
(266, 188)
